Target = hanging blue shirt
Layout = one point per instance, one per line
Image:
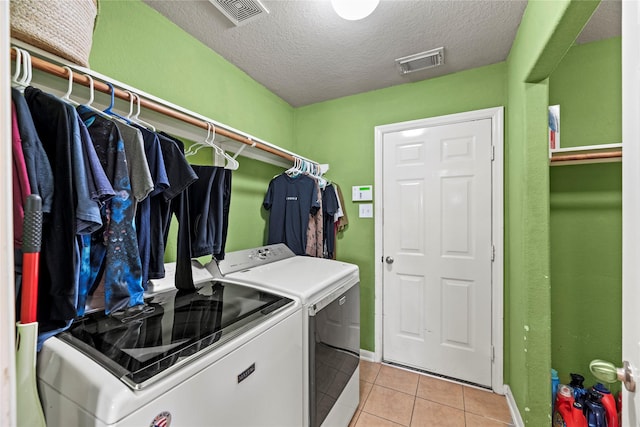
(115, 245)
(290, 200)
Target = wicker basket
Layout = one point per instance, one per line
(62, 27)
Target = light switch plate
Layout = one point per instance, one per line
(366, 210)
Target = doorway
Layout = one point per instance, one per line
(439, 275)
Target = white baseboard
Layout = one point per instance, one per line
(513, 407)
(367, 355)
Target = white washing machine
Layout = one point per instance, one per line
(330, 294)
(227, 354)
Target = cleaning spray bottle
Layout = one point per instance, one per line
(609, 403)
(568, 412)
(593, 410)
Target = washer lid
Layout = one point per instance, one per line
(304, 277)
(172, 329)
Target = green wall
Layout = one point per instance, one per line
(341, 132)
(136, 45)
(545, 35)
(586, 213)
(163, 60)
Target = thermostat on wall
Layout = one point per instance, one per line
(361, 193)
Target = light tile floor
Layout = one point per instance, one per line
(391, 397)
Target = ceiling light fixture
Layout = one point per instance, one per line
(353, 10)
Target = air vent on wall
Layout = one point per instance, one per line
(240, 11)
(421, 61)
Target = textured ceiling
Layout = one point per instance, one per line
(303, 52)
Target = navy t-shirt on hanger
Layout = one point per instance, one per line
(290, 200)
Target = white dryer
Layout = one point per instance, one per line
(330, 294)
(227, 354)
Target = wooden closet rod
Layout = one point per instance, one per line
(587, 156)
(79, 77)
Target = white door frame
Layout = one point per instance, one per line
(496, 115)
(630, 204)
(7, 299)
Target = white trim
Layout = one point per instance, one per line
(496, 114)
(367, 355)
(7, 299)
(630, 203)
(516, 418)
(585, 148)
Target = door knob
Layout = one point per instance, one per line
(607, 372)
(389, 260)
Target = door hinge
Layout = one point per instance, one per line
(493, 253)
(493, 152)
(493, 354)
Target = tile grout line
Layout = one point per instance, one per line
(415, 397)
(464, 407)
(413, 411)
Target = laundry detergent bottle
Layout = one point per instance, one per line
(568, 412)
(609, 403)
(555, 382)
(594, 410)
(577, 384)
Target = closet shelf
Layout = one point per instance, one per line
(158, 109)
(586, 154)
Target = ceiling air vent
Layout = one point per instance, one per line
(240, 11)
(421, 61)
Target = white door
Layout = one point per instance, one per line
(631, 205)
(437, 248)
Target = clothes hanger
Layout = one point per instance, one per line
(136, 117)
(67, 96)
(194, 148)
(294, 170)
(128, 116)
(242, 147)
(231, 164)
(322, 182)
(16, 74)
(109, 109)
(28, 70)
(23, 74)
(91, 97)
(313, 170)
